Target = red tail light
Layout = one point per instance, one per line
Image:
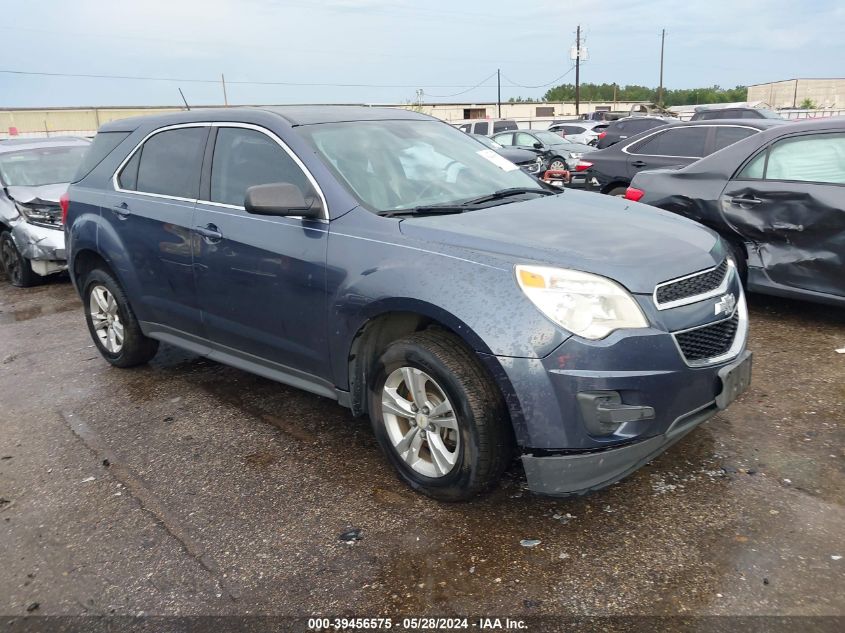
(632, 193)
(603, 134)
(583, 165)
(64, 203)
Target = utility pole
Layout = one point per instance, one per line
(577, 69)
(660, 89)
(225, 99)
(499, 93)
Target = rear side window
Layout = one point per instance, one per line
(482, 127)
(102, 146)
(168, 164)
(501, 126)
(687, 142)
(727, 135)
(815, 158)
(243, 158)
(572, 129)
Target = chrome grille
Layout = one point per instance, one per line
(692, 286)
(708, 341)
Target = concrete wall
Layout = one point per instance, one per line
(85, 121)
(825, 93)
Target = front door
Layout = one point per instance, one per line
(790, 201)
(261, 280)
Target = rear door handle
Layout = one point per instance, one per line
(122, 211)
(743, 200)
(638, 163)
(209, 232)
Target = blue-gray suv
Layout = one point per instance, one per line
(388, 261)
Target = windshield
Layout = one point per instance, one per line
(36, 167)
(391, 165)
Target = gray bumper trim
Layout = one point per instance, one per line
(580, 473)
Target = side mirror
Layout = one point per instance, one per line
(281, 198)
(538, 145)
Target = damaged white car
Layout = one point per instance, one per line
(34, 173)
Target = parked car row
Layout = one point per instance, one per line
(773, 189)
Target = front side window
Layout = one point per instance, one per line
(683, 142)
(44, 166)
(168, 163)
(526, 140)
(403, 164)
(505, 140)
(814, 158)
(244, 158)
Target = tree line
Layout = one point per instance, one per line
(609, 92)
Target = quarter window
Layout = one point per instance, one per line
(244, 158)
(687, 142)
(755, 169)
(168, 163)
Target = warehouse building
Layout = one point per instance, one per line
(791, 93)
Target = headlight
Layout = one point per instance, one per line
(41, 215)
(587, 305)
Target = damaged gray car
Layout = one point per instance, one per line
(34, 173)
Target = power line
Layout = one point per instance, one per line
(555, 80)
(478, 85)
(228, 81)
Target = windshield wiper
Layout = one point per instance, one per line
(506, 193)
(424, 210)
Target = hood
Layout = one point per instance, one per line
(637, 245)
(43, 194)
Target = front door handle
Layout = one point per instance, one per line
(638, 163)
(122, 211)
(209, 233)
(743, 200)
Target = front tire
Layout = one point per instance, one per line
(112, 322)
(438, 417)
(17, 268)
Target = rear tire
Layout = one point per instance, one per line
(557, 163)
(452, 456)
(741, 258)
(112, 322)
(17, 268)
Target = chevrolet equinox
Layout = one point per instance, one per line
(385, 260)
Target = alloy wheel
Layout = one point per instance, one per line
(106, 319)
(421, 422)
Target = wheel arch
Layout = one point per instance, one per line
(391, 323)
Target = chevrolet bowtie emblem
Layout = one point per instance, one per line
(726, 304)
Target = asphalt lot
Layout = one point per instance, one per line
(225, 493)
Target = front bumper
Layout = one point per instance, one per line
(43, 247)
(592, 412)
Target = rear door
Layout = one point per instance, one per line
(155, 192)
(789, 200)
(261, 280)
(665, 148)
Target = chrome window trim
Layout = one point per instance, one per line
(624, 150)
(738, 342)
(721, 289)
(219, 124)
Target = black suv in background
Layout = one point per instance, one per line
(709, 114)
(611, 170)
(626, 128)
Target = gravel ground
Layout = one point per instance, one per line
(187, 487)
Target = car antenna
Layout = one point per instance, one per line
(184, 99)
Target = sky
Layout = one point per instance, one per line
(383, 51)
